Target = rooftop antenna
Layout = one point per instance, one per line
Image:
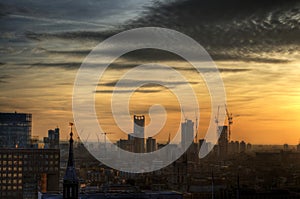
(105, 133)
(169, 139)
(217, 116)
(185, 118)
(196, 127)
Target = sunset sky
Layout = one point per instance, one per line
(255, 44)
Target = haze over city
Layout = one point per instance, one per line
(254, 44)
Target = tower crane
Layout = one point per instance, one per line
(105, 150)
(217, 117)
(105, 133)
(229, 119)
(196, 137)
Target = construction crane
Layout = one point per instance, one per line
(105, 133)
(196, 128)
(229, 119)
(217, 117)
(185, 117)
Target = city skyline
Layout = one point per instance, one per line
(256, 50)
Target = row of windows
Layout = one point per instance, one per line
(9, 194)
(20, 163)
(9, 187)
(5, 162)
(8, 169)
(24, 156)
(10, 175)
(8, 181)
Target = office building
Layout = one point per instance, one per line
(242, 147)
(139, 133)
(187, 133)
(223, 141)
(52, 141)
(203, 144)
(127, 145)
(15, 130)
(24, 172)
(150, 144)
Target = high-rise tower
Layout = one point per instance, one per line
(139, 133)
(187, 133)
(223, 141)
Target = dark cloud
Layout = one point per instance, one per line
(4, 78)
(128, 91)
(64, 65)
(128, 65)
(147, 84)
(230, 30)
(154, 55)
(82, 35)
(69, 52)
(238, 27)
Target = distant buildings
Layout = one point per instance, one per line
(285, 147)
(223, 141)
(233, 147)
(15, 130)
(187, 133)
(136, 141)
(52, 141)
(242, 147)
(150, 144)
(204, 144)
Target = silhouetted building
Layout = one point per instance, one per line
(242, 147)
(24, 172)
(139, 133)
(70, 181)
(231, 147)
(237, 146)
(249, 147)
(53, 136)
(203, 143)
(187, 133)
(151, 144)
(15, 130)
(223, 141)
(285, 147)
(52, 141)
(127, 145)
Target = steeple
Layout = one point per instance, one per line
(70, 184)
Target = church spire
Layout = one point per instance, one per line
(71, 152)
(70, 184)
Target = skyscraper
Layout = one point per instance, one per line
(15, 130)
(139, 133)
(151, 144)
(53, 136)
(187, 133)
(223, 141)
